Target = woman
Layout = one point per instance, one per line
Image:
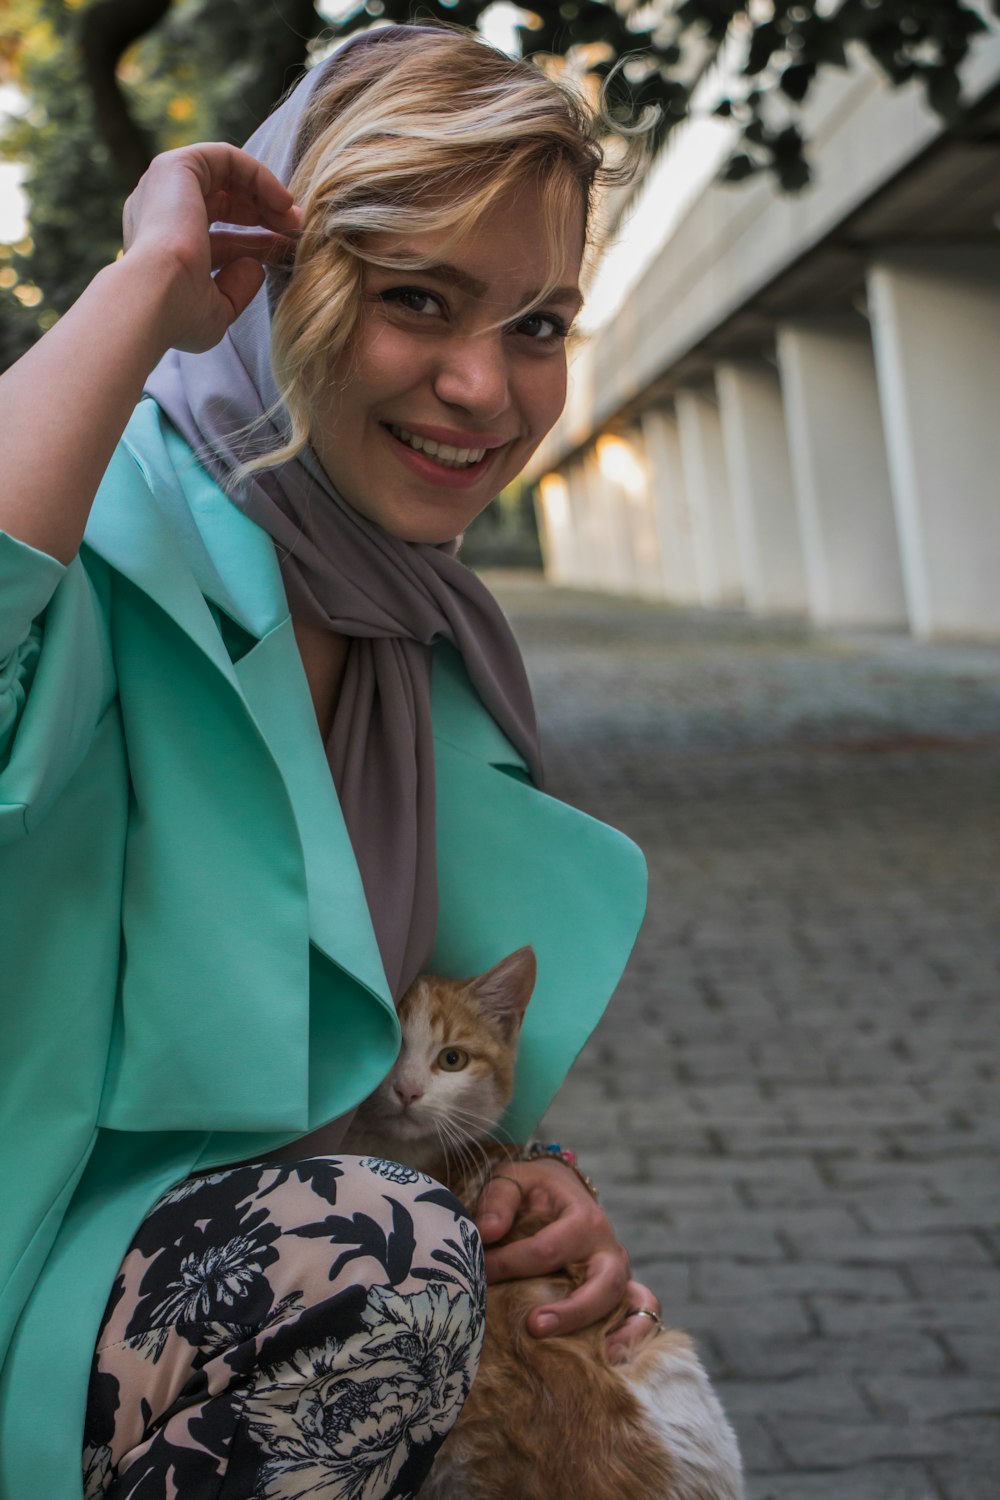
(266, 752)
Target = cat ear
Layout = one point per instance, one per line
(503, 992)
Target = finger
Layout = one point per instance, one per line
(227, 208)
(599, 1295)
(259, 244)
(246, 181)
(551, 1249)
(497, 1208)
(632, 1334)
(637, 1328)
(239, 282)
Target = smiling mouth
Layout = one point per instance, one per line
(444, 454)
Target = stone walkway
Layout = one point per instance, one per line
(794, 1109)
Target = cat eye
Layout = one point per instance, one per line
(453, 1059)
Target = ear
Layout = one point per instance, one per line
(503, 992)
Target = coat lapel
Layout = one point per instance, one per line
(516, 866)
(182, 542)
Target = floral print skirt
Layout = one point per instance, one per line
(283, 1331)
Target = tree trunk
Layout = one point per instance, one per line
(107, 30)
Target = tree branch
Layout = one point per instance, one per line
(107, 30)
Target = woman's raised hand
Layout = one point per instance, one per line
(64, 404)
(208, 275)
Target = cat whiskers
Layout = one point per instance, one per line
(488, 1129)
(446, 1138)
(472, 1159)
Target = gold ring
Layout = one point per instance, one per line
(502, 1177)
(644, 1312)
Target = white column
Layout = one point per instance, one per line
(621, 460)
(566, 526)
(555, 528)
(760, 482)
(936, 330)
(841, 473)
(610, 549)
(673, 516)
(587, 523)
(703, 459)
(573, 534)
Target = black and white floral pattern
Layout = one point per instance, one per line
(393, 1171)
(340, 1422)
(300, 1354)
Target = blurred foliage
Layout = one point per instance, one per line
(505, 534)
(108, 82)
(773, 51)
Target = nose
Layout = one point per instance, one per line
(472, 374)
(407, 1093)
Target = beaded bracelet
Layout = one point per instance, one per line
(537, 1150)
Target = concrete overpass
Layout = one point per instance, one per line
(793, 406)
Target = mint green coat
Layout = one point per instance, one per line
(188, 973)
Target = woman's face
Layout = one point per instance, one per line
(447, 386)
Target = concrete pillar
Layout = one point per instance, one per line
(609, 558)
(587, 524)
(760, 482)
(703, 459)
(935, 321)
(561, 527)
(624, 471)
(673, 515)
(574, 526)
(837, 451)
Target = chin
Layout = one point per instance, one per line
(409, 1129)
(435, 524)
(428, 535)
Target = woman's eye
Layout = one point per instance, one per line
(414, 299)
(453, 1059)
(543, 328)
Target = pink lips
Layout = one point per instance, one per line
(455, 438)
(427, 468)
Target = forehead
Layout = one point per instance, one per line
(510, 254)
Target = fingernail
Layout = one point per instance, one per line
(546, 1322)
(488, 1219)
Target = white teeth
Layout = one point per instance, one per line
(444, 453)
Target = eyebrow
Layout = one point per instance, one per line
(473, 287)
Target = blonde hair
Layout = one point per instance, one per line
(418, 129)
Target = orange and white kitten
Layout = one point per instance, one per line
(547, 1419)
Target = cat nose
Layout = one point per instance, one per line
(407, 1093)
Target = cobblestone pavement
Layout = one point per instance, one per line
(793, 1107)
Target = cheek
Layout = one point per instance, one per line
(451, 1091)
(544, 394)
(384, 364)
(476, 1094)
(372, 369)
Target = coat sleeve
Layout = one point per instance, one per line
(28, 579)
(56, 676)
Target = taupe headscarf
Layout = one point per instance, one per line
(344, 573)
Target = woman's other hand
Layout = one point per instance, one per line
(208, 276)
(579, 1235)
